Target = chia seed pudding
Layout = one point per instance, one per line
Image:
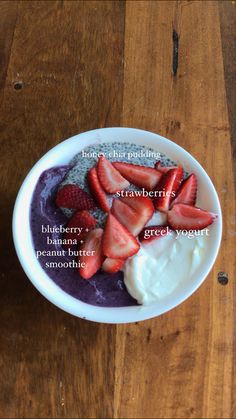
(102, 289)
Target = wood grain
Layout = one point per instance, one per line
(186, 356)
(227, 12)
(71, 66)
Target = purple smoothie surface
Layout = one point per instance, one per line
(102, 289)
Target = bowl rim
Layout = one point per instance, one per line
(50, 290)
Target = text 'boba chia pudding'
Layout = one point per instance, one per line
(119, 225)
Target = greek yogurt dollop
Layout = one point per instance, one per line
(160, 265)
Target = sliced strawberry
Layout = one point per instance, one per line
(92, 262)
(80, 219)
(72, 196)
(187, 193)
(141, 176)
(151, 233)
(178, 179)
(118, 242)
(128, 217)
(187, 217)
(97, 190)
(167, 188)
(110, 179)
(112, 265)
(142, 204)
(163, 169)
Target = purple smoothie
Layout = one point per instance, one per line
(102, 289)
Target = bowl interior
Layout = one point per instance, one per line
(61, 154)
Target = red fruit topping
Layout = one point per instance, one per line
(142, 204)
(163, 169)
(80, 219)
(92, 262)
(151, 233)
(112, 265)
(110, 179)
(187, 217)
(141, 176)
(72, 196)
(118, 242)
(179, 174)
(187, 193)
(167, 188)
(97, 190)
(128, 217)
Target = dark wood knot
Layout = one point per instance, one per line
(18, 85)
(223, 278)
(175, 58)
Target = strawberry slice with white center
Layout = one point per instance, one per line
(110, 179)
(187, 217)
(151, 233)
(187, 193)
(163, 169)
(141, 204)
(128, 217)
(93, 261)
(167, 188)
(118, 242)
(97, 190)
(112, 265)
(141, 176)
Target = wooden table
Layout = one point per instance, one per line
(68, 67)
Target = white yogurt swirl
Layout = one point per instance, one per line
(160, 265)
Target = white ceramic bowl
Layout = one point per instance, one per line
(61, 154)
